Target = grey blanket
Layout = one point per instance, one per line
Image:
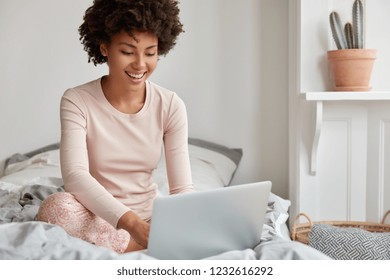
(23, 205)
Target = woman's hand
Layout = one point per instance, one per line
(138, 229)
(140, 233)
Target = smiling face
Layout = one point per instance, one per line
(131, 60)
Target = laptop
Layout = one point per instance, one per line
(202, 224)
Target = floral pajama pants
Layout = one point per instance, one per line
(64, 210)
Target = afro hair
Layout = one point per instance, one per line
(106, 18)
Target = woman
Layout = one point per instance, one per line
(113, 129)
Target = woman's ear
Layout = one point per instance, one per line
(103, 49)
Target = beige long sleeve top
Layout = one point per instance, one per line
(108, 157)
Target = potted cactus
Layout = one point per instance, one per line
(351, 63)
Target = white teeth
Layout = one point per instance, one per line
(136, 76)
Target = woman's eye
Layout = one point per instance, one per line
(151, 54)
(126, 53)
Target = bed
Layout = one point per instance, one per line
(30, 178)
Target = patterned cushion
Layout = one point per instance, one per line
(350, 243)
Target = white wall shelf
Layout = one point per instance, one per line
(347, 96)
(320, 97)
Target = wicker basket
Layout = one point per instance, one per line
(300, 232)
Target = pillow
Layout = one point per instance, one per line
(42, 168)
(21, 157)
(212, 166)
(234, 154)
(49, 158)
(350, 243)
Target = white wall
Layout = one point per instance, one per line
(230, 68)
(40, 57)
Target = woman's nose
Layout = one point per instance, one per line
(140, 60)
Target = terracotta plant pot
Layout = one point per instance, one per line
(352, 68)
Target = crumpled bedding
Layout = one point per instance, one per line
(31, 177)
(38, 240)
(21, 237)
(22, 204)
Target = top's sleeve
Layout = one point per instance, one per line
(176, 148)
(75, 164)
